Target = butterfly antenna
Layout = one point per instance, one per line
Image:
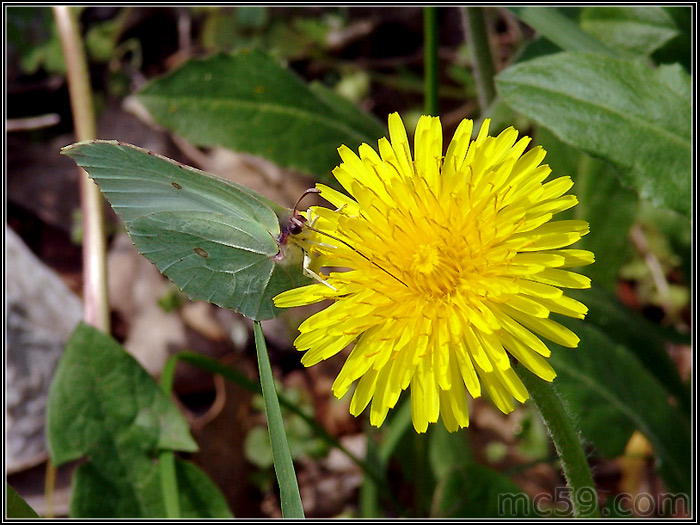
(307, 192)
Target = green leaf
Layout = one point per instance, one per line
(16, 506)
(247, 102)
(282, 458)
(560, 30)
(622, 112)
(612, 393)
(103, 406)
(344, 108)
(216, 240)
(475, 491)
(101, 396)
(630, 30)
(33, 37)
(675, 77)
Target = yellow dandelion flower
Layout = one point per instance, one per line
(451, 268)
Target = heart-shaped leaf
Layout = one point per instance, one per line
(218, 241)
(104, 406)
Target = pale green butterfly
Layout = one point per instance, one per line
(216, 240)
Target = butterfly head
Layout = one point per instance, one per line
(294, 227)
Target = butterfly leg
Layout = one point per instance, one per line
(310, 273)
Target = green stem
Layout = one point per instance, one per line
(566, 440)
(430, 61)
(482, 61)
(95, 298)
(166, 458)
(168, 484)
(281, 456)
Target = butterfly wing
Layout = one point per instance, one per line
(215, 239)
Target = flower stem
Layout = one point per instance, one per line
(482, 61)
(430, 61)
(566, 440)
(95, 298)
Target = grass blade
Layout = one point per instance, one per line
(284, 468)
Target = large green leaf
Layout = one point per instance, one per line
(630, 30)
(612, 394)
(218, 241)
(248, 102)
(103, 406)
(626, 113)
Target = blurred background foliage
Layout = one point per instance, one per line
(635, 353)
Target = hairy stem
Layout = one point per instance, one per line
(564, 434)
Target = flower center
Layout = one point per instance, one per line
(426, 259)
(434, 272)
